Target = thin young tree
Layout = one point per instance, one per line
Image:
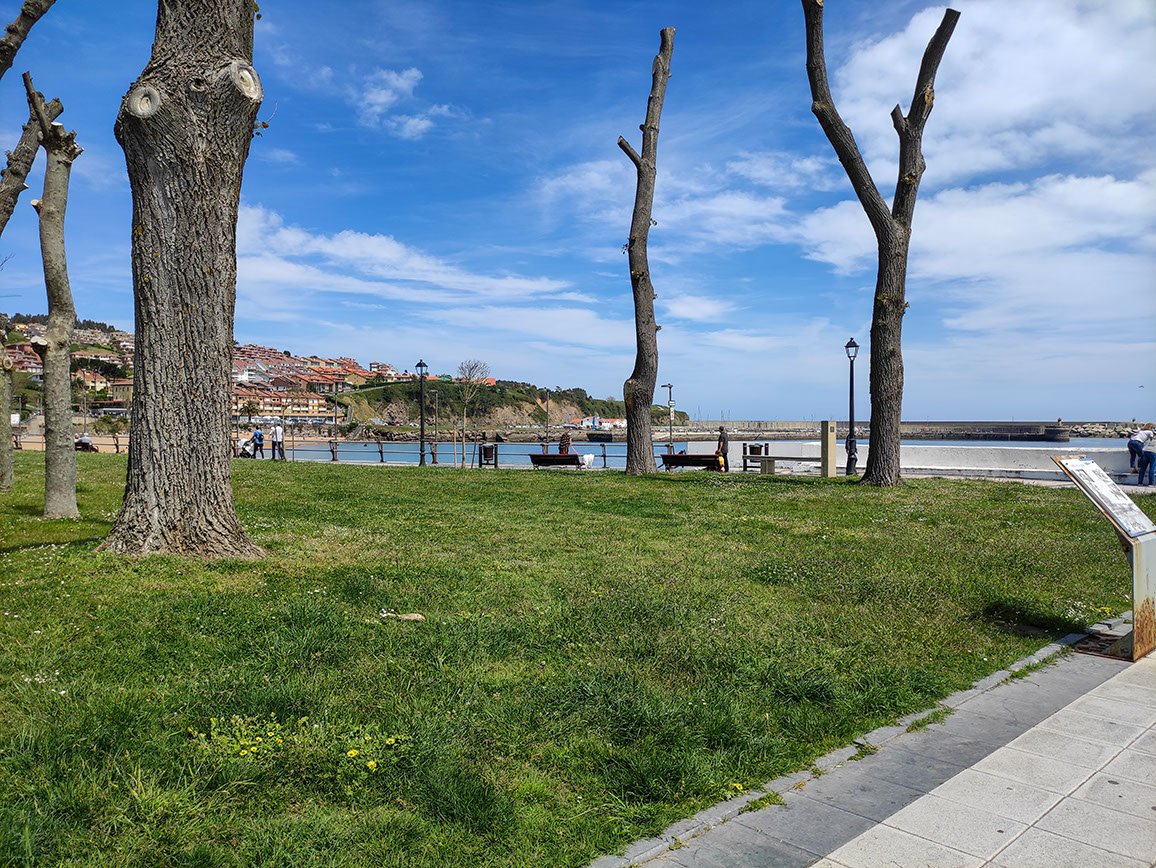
(185, 126)
(471, 374)
(892, 228)
(60, 150)
(638, 390)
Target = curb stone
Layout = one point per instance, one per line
(678, 834)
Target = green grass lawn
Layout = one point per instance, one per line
(601, 656)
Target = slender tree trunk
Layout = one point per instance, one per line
(185, 127)
(60, 149)
(892, 228)
(20, 162)
(638, 390)
(7, 457)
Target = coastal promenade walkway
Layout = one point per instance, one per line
(1056, 769)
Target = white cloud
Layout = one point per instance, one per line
(1019, 86)
(696, 308)
(382, 89)
(263, 238)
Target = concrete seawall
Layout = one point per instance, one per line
(998, 462)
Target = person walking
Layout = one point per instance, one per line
(724, 445)
(258, 442)
(277, 437)
(1136, 444)
(1148, 462)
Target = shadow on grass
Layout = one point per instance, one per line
(1027, 617)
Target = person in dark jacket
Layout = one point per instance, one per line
(724, 445)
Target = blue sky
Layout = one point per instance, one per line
(440, 180)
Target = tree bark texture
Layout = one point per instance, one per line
(638, 390)
(185, 127)
(16, 32)
(12, 179)
(7, 457)
(60, 149)
(892, 229)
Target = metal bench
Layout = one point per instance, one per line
(706, 462)
(544, 459)
(767, 462)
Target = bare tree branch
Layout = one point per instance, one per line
(838, 133)
(630, 152)
(911, 165)
(12, 179)
(16, 32)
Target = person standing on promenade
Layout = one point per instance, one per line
(1148, 462)
(724, 445)
(258, 442)
(1136, 444)
(277, 436)
(564, 443)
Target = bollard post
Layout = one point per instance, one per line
(333, 449)
(827, 449)
(603, 456)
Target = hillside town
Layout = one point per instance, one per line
(267, 381)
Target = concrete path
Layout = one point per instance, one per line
(1054, 769)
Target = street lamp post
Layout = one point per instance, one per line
(670, 406)
(852, 349)
(421, 367)
(547, 420)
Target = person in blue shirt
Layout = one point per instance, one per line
(258, 443)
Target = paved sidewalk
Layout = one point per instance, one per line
(1055, 769)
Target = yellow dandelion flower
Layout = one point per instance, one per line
(369, 738)
(371, 765)
(391, 741)
(258, 739)
(244, 752)
(351, 754)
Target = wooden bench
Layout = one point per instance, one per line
(706, 462)
(543, 459)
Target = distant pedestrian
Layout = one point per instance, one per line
(564, 443)
(724, 445)
(258, 443)
(277, 437)
(1148, 462)
(1136, 444)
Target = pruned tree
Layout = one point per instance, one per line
(60, 150)
(638, 390)
(185, 126)
(892, 228)
(471, 374)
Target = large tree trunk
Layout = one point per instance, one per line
(185, 127)
(60, 149)
(892, 228)
(638, 390)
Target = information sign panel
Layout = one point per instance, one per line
(1137, 529)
